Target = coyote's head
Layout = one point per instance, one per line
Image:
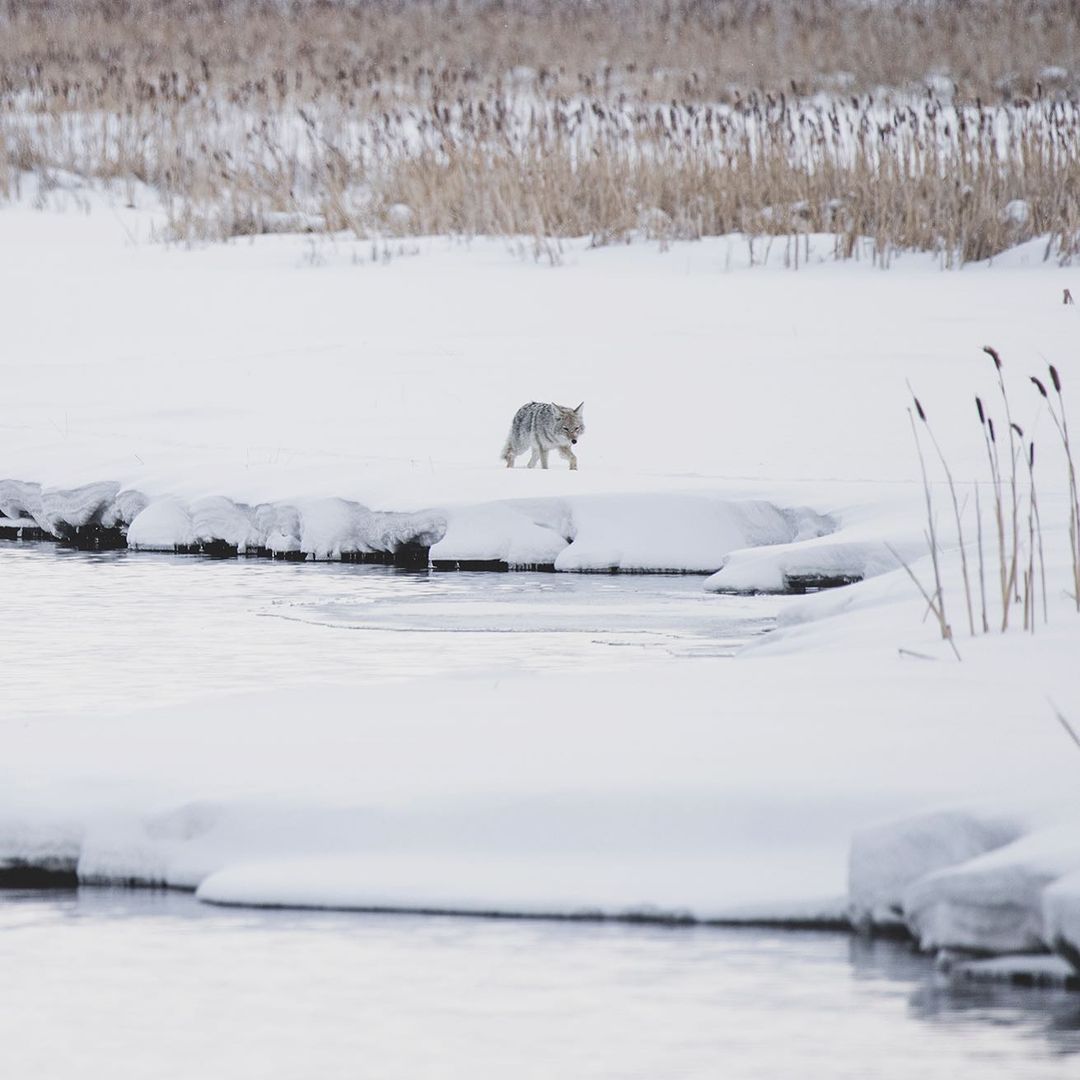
(569, 423)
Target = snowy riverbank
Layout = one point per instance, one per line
(294, 396)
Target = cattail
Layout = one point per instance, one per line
(1039, 386)
(956, 514)
(1055, 378)
(1018, 429)
(993, 354)
(979, 406)
(990, 425)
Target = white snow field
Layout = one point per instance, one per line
(743, 420)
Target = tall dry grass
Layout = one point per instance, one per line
(675, 119)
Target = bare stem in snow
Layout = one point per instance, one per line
(955, 505)
(1009, 587)
(1062, 425)
(931, 603)
(982, 567)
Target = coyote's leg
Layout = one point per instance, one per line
(570, 456)
(509, 460)
(535, 456)
(543, 457)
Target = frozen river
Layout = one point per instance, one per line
(154, 986)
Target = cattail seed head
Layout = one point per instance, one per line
(982, 415)
(1031, 455)
(919, 408)
(993, 354)
(1018, 429)
(1039, 386)
(1055, 378)
(990, 425)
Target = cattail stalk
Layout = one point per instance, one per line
(1009, 586)
(982, 567)
(938, 604)
(956, 509)
(990, 439)
(1061, 423)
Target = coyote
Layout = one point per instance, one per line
(542, 426)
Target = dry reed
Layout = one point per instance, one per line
(607, 119)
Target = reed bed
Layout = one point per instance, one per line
(951, 128)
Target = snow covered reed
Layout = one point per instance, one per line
(607, 120)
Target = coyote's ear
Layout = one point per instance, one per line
(579, 408)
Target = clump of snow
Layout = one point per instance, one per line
(889, 857)
(399, 215)
(940, 84)
(1061, 917)
(515, 533)
(164, 525)
(1016, 212)
(218, 518)
(20, 500)
(62, 510)
(993, 902)
(280, 524)
(684, 532)
(125, 508)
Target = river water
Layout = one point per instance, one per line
(144, 985)
(124, 626)
(155, 986)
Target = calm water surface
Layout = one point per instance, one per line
(154, 985)
(124, 626)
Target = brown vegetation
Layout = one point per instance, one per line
(674, 119)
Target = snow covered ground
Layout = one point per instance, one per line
(745, 419)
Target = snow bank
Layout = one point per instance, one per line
(683, 532)
(65, 512)
(518, 534)
(628, 532)
(1061, 917)
(888, 858)
(993, 902)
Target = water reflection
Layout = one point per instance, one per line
(156, 984)
(127, 627)
(936, 998)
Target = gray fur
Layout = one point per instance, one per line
(540, 427)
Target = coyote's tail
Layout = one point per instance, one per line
(508, 454)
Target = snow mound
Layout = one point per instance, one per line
(627, 532)
(515, 533)
(164, 525)
(1061, 917)
(20, 500)
(63, 511)
(315, 528)
(216, 518)
(993, 902)
(685, 532)
(886, 859)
